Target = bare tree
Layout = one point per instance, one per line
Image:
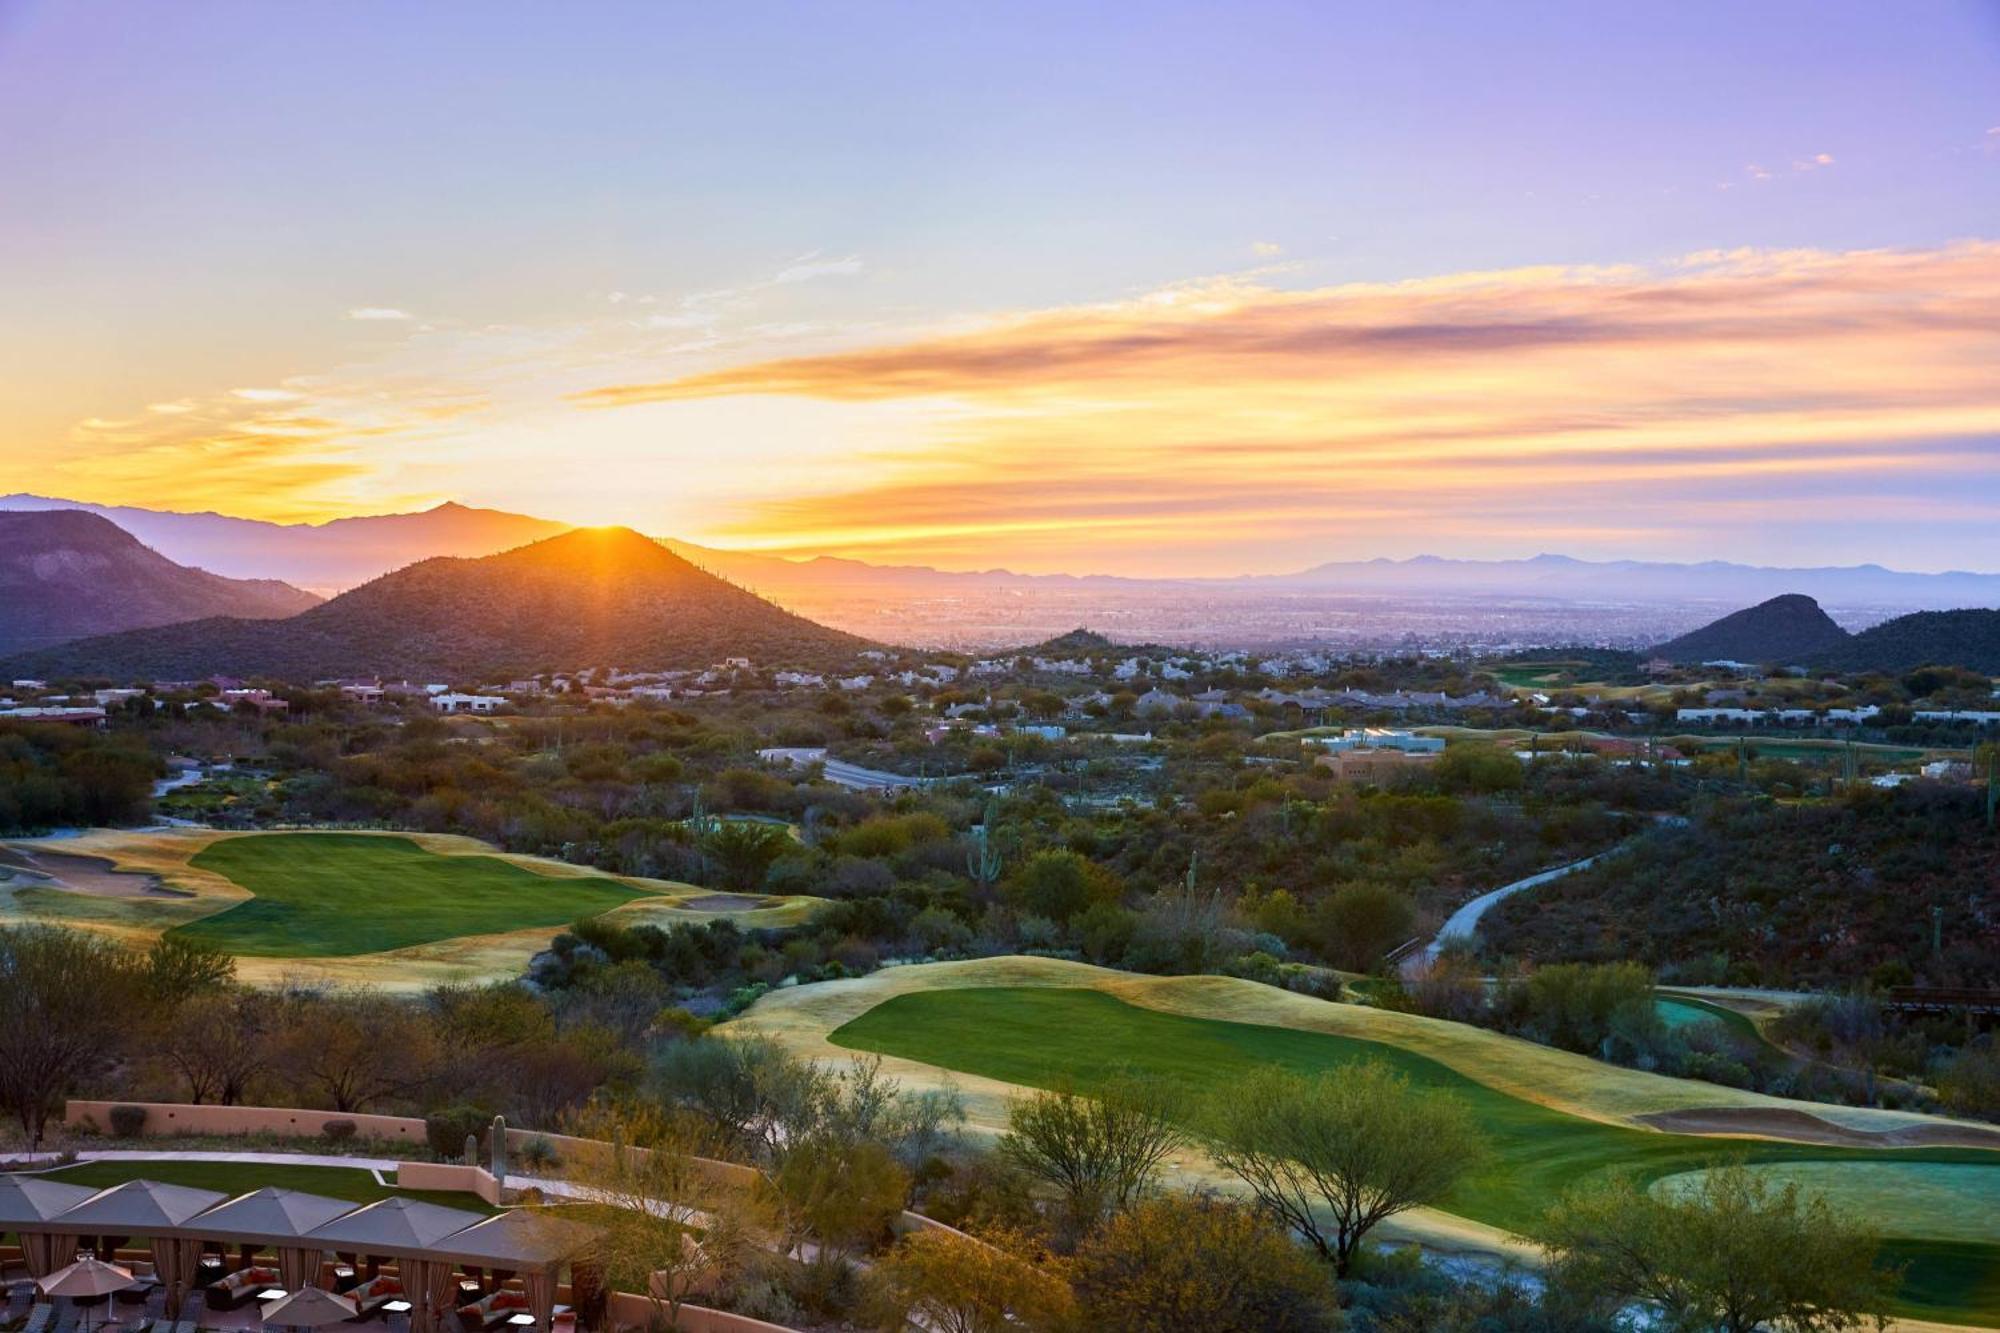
(1100, 1151)
(64, 1002)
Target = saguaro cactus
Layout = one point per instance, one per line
(472, 1150)
(498, 1152)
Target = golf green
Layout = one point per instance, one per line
(1039, 1036)
(333, 895)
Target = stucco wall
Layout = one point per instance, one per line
(454, 1176)
(180, 1118)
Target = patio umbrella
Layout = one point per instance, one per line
(86, 1277)
(308, 1307)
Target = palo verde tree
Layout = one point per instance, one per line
(1732, 1254)
(1332, 1155)
(1100, 1151)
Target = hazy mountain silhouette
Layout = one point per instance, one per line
(66, 575)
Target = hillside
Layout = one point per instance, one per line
(328, 557)
(67, 575)
(1793, 896)
(1788, 628)
(590, 597)
(1969, 639)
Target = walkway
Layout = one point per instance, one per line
(840, 772)
(1464, 923)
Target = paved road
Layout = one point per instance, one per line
(842, 773)
(1464, 923)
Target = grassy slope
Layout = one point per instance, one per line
(335, 1182)
(1524, 1089)
(321, 895)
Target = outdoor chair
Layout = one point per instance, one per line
(493, 1310)
(239, 1287)
(38, 1318)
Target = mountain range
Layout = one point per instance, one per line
(65, 575)
(329, 557)
(586, 597)
(1792, 629)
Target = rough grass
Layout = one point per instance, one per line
(331, 895)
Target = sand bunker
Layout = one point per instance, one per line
(71, 873)
(1772, 1122)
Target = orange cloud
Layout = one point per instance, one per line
(1234, 417)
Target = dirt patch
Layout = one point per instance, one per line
(722, 902)
(1771, 1122)
(94, 875)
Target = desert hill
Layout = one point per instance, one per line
(588, 597)
(1788, 628)
(68, 575)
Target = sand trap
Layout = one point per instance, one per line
(725, 902)
(94, 875)
(1773, 1122)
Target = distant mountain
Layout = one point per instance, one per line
(1788, 628)
(66, 575)
(326, 557)
(1561, 577)
(589, 597)
(1969, 639)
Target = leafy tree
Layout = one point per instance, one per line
(742, 851)
(65, 1000)
(1100, 1152)
(356, 1048)
(1332, 1155)
(1362, 922)
(177, 967)
(1730, 1255)
(675, 1225)
(1058, 885)
(951, 1283)
(1178, 1262)
(840, 1195)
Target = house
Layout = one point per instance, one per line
(467, 703)
(75, 717)
(1157, 702)
(1374, 766)
(1377, 738)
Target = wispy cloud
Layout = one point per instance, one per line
(809, 266)
(1226, 414)
(378, 313)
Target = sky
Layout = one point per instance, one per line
(1130, 288)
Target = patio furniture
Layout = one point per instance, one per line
(239, 1287)
(495, 1310)
(373, 1297)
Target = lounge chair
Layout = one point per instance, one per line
(493, 1309)
(371, 1296)
(240, 1287)
(38, 1318)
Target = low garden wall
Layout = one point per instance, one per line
(285, 1121)
(452, 1176)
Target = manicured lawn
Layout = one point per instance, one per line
(335, 1182)
(1039, 1036)
(330, 895)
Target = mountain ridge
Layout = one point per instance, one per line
(68, 574)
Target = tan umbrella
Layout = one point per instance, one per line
(308, 1307)
(86, 1277)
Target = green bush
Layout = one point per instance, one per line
(127, 1122)
(338, 1131)
(445, 1129)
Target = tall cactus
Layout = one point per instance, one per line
(983, 862)
(498, 1151)
(472, 1150)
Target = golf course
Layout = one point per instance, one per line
(403, 911)
(1552, 1119)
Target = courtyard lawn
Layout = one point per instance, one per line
(331, 895)
(1040, 1036)
(335, 1182)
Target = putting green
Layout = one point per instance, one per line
(1039, 1036)
(332, 895)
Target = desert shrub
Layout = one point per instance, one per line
(539, 1154)
(445, 1129)
(338, 1131)
(127, 1122)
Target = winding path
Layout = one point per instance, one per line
(1464, 923)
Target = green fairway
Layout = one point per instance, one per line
(1039, 1036)
(335, 1182)
(330, 895)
